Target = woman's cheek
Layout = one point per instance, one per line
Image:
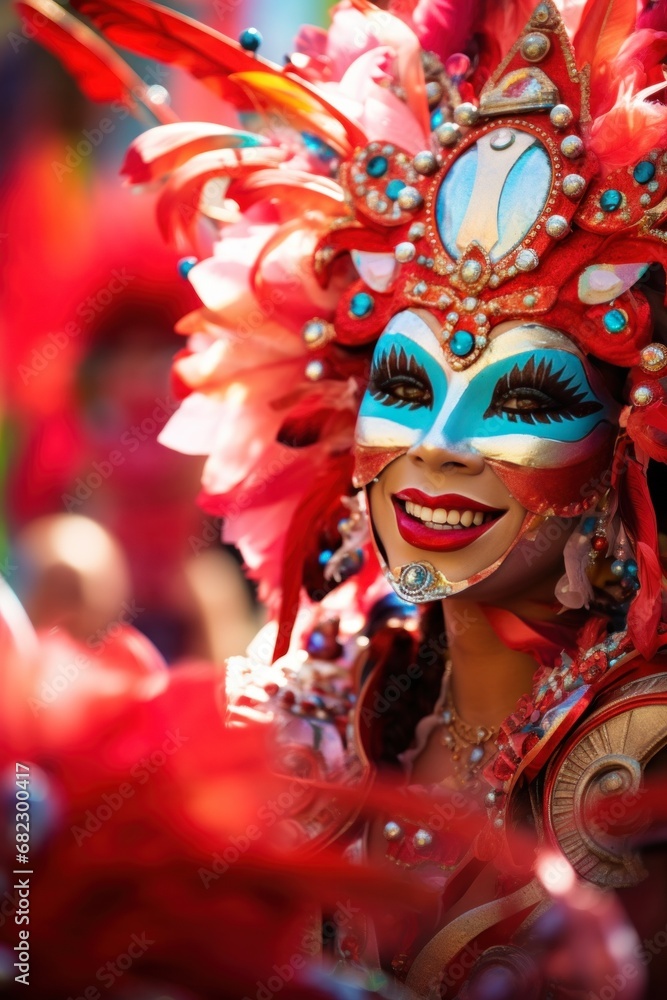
(562, 490)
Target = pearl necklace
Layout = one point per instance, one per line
(459, 738)
(467, 744)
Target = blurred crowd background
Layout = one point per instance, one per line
(99, 522)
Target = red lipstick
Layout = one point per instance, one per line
(417, 533)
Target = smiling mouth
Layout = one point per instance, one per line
(443, 523)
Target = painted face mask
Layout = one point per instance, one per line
(464, 459)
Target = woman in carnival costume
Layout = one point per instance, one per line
(430, 354)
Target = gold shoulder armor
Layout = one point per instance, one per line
(594, 794)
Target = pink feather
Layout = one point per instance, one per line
(161, 150)
(383, 116)
(395, 34)
(652, 15)
(179, 203)
(445, 26)
(630, 130)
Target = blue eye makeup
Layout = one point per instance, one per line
(398, 379)
(519, 402)
(541, 393)
(406, 386)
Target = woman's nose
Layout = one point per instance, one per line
(439, 458)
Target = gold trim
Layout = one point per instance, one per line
(427, 969)
(609, 759)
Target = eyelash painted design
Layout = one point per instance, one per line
(398, 379)
(540, 395)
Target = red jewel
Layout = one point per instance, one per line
(600, 543)
(271, 689)
(547, 700)
(502, 768)
(350, 947)
(531, 740)
(288, 698)
(487, 844)
(399, 964)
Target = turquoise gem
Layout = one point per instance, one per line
(416, 576)
(589, 525)
(615, 321)
(618, 567)
(610, 200)
(461, 343)
(377, 166)
(394, 188)
(317, 147)
(644, 172)
(361, 305)
(437, 118)
(250, 39)
(185, 265)
(631, 567)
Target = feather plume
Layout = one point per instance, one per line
(159, 33)
(652, 15)
(501, 25)
(332, 482)
(302, 110)
(629, 130)
(282, 185)
(161, 150)
(395, 33)
(99, 71)
(382, 114)
(603, 29)
(179, 203)
(445, 26)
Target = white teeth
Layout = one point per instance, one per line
(445, 520)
